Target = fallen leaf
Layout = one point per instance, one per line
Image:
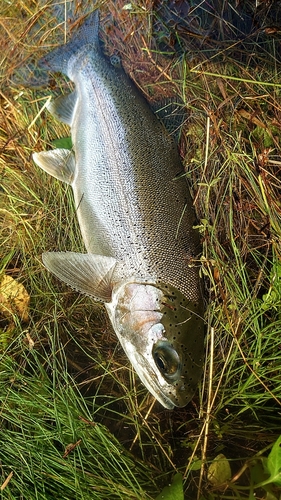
(251, 118)
(219, 471)
(14, 299)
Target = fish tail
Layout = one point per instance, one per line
(87, 34)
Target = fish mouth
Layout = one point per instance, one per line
(151, 379)
(154, 389)
(167, 394)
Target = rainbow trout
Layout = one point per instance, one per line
(136, 218)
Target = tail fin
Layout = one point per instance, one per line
(87, 34)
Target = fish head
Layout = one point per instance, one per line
(162, 333)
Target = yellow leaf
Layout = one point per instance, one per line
(14, 299)
(219, 471)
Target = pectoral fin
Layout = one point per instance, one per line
(63, 107)
(60, 163)
(88, 273)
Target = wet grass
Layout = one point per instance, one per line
(75, 422)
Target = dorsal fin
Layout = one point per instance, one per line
(172, 113)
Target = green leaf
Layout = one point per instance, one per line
(196, 463)
(274, 463)
(258, 471)
(270, 496)
(63, 143)
(219, 471)
(174, 491)
(272, 298)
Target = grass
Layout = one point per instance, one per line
(49, 438)
(75, 422)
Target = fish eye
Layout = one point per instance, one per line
(167, 360)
